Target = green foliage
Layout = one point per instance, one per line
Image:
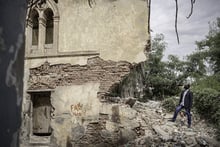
(212, 82)
(207, 99)
(211, 46)
(170, 103)
(161, 81)
(207, 88)
(178, 69)
(158, 46)
(195, 65)
(163, 78)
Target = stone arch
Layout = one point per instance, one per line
(42, 7)
(53, 6)
(48, 24)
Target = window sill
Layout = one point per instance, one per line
(48, 46)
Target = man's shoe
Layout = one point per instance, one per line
(189, 126)
(171, 120)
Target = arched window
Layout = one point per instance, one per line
(42, 28)
(35, 28)
(48, 14)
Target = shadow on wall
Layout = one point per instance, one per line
(132, 85)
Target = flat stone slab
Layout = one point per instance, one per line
(190, 133)
(164, 135)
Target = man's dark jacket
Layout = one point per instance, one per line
(188, 99)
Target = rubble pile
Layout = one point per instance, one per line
(142, 124)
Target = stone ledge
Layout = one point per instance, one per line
(40, 140)
(62, 54)
(40, 90)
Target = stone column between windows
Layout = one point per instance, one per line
(55, 33)
(41, 37)
(28, 33)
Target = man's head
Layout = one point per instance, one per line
(186, 86)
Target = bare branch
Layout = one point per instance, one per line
(191, 11)
(177, 35)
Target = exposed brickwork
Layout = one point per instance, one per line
(97, 70)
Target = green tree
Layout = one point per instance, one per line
(160, 80)
(178, 68)
(206, 88)
(195, 65)
(210, 46)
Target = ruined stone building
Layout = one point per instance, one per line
(76, 54)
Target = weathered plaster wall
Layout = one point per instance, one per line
(118, 29)
(85, 95)
(73, 104)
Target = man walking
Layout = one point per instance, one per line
(186, 99)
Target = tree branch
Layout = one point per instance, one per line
(177, 35)
(191, 11)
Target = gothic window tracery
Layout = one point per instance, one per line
(42, 28)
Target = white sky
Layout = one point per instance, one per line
(190, 30)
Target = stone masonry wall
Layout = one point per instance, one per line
(108, 73)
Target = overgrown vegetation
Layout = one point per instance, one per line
(207, 88)
(201, 67)
(207, 103)
(161, 78)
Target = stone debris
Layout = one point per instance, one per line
(123, 123)
(162, 133)
(146, 128)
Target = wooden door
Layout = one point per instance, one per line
(41, 114)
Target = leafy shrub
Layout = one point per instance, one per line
(170, 103)
(207, 104)
(212, 82)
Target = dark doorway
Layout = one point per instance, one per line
(41, 114)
